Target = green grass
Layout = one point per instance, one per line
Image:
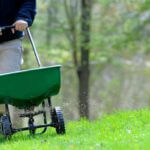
(120, 131)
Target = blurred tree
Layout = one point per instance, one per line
(81, 63)
(119, 29)
(52, 11)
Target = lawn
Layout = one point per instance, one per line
(129, 130)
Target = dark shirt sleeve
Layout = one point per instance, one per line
(27, 11)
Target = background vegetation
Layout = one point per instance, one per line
(118, 59)
(104, 49)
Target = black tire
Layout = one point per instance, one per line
(1, 131)
(5, 126)
(58, 120)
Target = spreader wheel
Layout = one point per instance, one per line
(5, 126)
(58, 120)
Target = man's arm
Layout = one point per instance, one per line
(27, 11)
(25, 14)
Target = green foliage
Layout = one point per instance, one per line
(119, 28)
(122, 130)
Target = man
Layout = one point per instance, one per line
(19, 13)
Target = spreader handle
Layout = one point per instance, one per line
(7, 27)
(34, 47)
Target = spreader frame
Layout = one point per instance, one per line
(57, 120)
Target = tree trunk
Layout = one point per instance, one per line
(84, 71)
(83, 76)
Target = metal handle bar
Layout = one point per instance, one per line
(7, 27)
(34, 48)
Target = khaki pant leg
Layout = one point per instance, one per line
(10, 61)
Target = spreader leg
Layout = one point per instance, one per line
(31, 125)
(7, 109)
(44, 117)
(50, 105)
(7, 112)
(44, 114)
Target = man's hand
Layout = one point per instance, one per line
(20, 25)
